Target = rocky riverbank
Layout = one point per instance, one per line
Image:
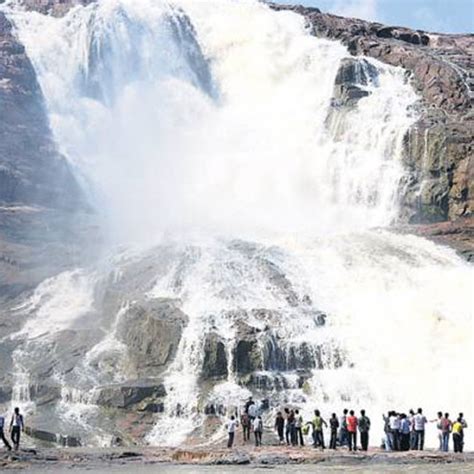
(99, 459)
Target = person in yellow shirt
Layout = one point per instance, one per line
(457, 431)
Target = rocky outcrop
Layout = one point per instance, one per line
(439, 147)
(263, 349)
(215, 358)
(352, 74)
(151, 331)
(65, 441)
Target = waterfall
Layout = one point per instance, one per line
(212, 145)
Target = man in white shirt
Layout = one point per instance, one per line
(258, 430)
(253, 411)
(394, 425)
(419, 422)
(231, 428)
(2, 433)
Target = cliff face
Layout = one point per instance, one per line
(439, 147)
(39, 196)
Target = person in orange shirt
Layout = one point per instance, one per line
(352, 430)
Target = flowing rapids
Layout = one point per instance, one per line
(208, 138)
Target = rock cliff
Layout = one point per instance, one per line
(41, 203)
(439, 147)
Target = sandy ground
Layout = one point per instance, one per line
(211, 460)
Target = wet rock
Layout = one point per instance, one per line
(272, 459)
(63, 440)
(247, 356)
(351, 79)
(128, 395)
(236, 458)
(215, 358)
(151, 330)
(43, 394)
(61, 354)
(153, 407)
(5, 394)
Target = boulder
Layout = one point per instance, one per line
(352, 77)
(151, 330)
(60, 439)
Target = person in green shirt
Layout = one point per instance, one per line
(317, 423)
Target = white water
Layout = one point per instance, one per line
(220, 130)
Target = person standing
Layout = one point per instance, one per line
(258, 430)
(299, 428)
(289, 421)
(464, 426)
(352, 431)
(386, 429)
(245, 423)
(248, 403)
(394, 421)
(446, 426)
(458, 435)
(364, 428)
(290, 428)
(411, 419)
(231, 428)
(17, 425)
(343, 436)
(419, 422)
(318, 434)
(280, 427)
(2, 433)
(252, 411)
(438, 427)
(334, 425)
(405, 431)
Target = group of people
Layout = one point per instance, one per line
(15, 428)
(291, 427)
(404, 432)
(250, 420)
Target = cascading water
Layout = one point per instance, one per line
(207, 131)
